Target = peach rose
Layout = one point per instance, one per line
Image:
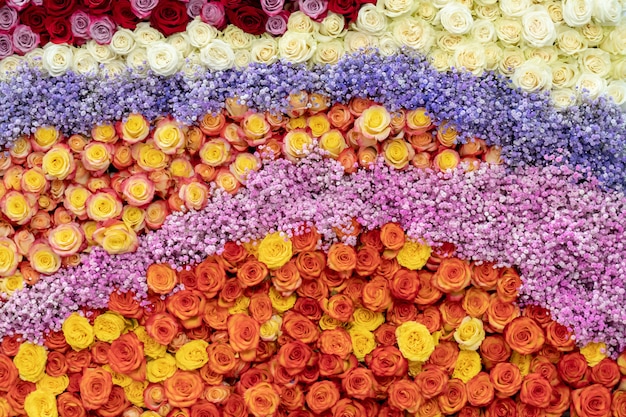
(348, 160)
(592, 401)
(183, 388)
(260, 307)
(262, 399)
(403, 395)
(222, 358)
(452, 314)
(339, 307)
(287, 278)
(95, 388)
(340, 116)
(524, 335)
(453, 398)
(161, 278)
(322, 396)
(618, 405)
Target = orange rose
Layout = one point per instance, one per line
(453, 397)
(11, 344)
(445, 355)
(125, 304)
(340, 117)
(260, 307)
(559, 400)
(211, 277)
(95, 388)
(222, 358)
(476, 302)
(161, 278)
(294, 357)
(17, 395)
(322, 396)
(115, 404)
(403, 395)
(339, 307)
(234, 254)
(243, 333)
(251, 273)
(539, 314)
(330, 365)
(235, 406)
(310, 264)
(204, 409)
(508, 284)
(55, 341)
(162, 327)
(527, 410)
(313, 288)
(500, 313)
(542, 366)
(359, 383)
(335, 279)
(573, 370)
(618, 405)
(188, 279)
(301, 328)
(524, 335)
(606, 373)
(349, 408)
(348, 160)
(341, 257)
(427, 293)
(376, 295)
(431, 381)
(592, 401)
(387, 361)
(55, 366)
(452, 313)
(452, 276)
(287, 278)
(305, 241)
(560, 337)
(70, 406)
(502, 407)
(431, 318)
(386, 334)
(367, 261)
(506, 379)
(388, 267)
(392, 236)
(292, 398)
(183, 388)
(8, 372)
(405, 285)
(187, 306)
(552, 354)
(422, 142)
(371, 238)
(536, 391)
(230, 292)
(480, 391)
(485, 276)
(77, 360)
(126, 356)
(99, 354)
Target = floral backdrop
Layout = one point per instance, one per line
(313, 208)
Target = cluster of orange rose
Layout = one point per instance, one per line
(385, 328)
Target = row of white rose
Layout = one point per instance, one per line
(541, 48)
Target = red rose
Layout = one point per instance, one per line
(248, 18)
(123, 15)
(98, 6)
(169, 17)
(59, 29)
(347, 8)
(34, 16)
(59, 7)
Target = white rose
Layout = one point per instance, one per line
(512, 58)
(35, 58)
(484, 31)
(440, 59)
(84, 63)
(440, 4)
(413, 32)
(470, 56)
(333, 26)
(515, 8)
(564, 74)
(509, 31)
(427, 11)
(488, 12)
(137, 61)
(449, 42)
(57, 59)
(122, 42)
(577, 13)
(571, 42)
(615, 41)
(264, 50)
(9, 66)
(466, 3)
(397, 8)
(370, 20)
(296, 47)
(217, 55)
(180, 42)
(563, 97)
(533, 75)
(618, 68)
(607, 12)
(237, 38)
(113, 69)
(357, 41)
(387, 45)
(591, 85)
(555, 10)
(617, 91)
(163, 58)
(145, 34)
(538, 27)
(102, 53)
(493, 55)
(595, 61)
(328, 52)
(243, 58)
(301, 23)
(200, 33)
(593, 33)
(547, 54)
(456, 18)
(192, 67)
(485, 2)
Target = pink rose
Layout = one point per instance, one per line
(213, 14)
(18, 4)
(24, 39)
(143, 8)
(315, 9)
(194, 8)
(272, 7)
(79, 22)
(277, 25)
(6, 46)
(101, 29)
(8, 19)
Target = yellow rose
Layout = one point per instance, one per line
(117, 378)
(333, 142)
(103, 206)
(363, 341)
(45, 137)
(78, 332)
(227, 181)
(215, 152)
(367, 319)
(195, 195)
(150, 413)
(109, 326)
(470, 334)
(192, 355)
(418, 119)
(150, 158)
(53, 384)
(41, 403)
(413, 255)
(255, 126)
(58, 163)
(17, 208)
(138, 190)
(467, 365)
(134, 392)
(270, 330)
(243, 164)
(296, 144)
(522, 362)
(89, 228)
(21, 148)
(34, 180)
(9, 257)
(318, 124)
(275, 250)
(43, 259)
(11, 284)
(5, 408)
(169, 136)
(151, 347)
(296, 123)
(30, 361)
(181, 168)
(447, 134)
(117, 238)
(135, 128)
(96, 156)
(160, 369)
(415, 368)
(66, 239)
(593, 353)
(329, 323)
(415, 341)
(280, 303)
(134, 217)
(241, 305)
(76, 198)
(104, 133)
(374, 123)
(398, 153)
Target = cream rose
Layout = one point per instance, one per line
(484, 31)
(571, 42)
(493, 55)
(533, 75)
(595, 61)
(607, 12)
(122, 42)
(328, 52)
(9, 65)
(192, 66)
(509, 31)
(563, 97)
(555, 10)
(564, 74)
(448, 41)
(615, 41)
(200, 33)
(217, 55)
(300, 23)
(591, 84)
(264, 50)
(145, 34)
(593, 33)
(84, 63)
(237, 38)
(548, 54)
(180, 42)
(370, 20)
(470, 56)
(163, 58)
(35, 58)
(577, 13)
(414, 33)
(102, 53)
(489, 12)
(427, 11)
(485, 2)
(296, 47)
(456, 18)
(137, 61)
(618, 68)
(397, 8)
(243, 58)
(333, 26)
(617, 91)
(538, 27)
(515, 8)
(356, 41)
(387, 45)
(440, 59)
(113, 69)
(57, 59)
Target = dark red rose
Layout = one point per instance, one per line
(34, 16)
(248, 18)
(348, 8)
(98, 6)
(59, 29)
(169, 17)
(233, 4)
(59, 7)
(123, 15)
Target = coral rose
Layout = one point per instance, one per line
(260, 307)
(161, 278)
(95, 388)
(359, 383)
(243, 332)
(524, 335)
(341, 257)
(162, 327)
(211, 277)
(606, 373)
(300, 327)
(506, 379)
(431, 381)
(403, 395)
(367, 261)
(452, 276)
(453, 398)
(287, 278)
(183, 388)
(392, 236)
(387, 361)
(592, 401)
(187, 306)
(573, 370)
(8, 372)
(322, 396)
(508, 284)
(305, 241)
(294, 356)
(536, 391)
(126, 356)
